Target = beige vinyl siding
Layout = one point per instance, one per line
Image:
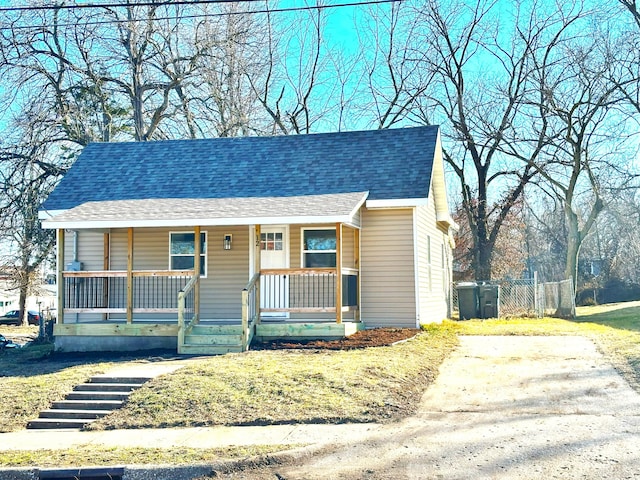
(388, 271)
(90, 249)
(433, 279)
(227, 270)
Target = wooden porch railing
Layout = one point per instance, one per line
(152, 291)
(250, 310)
(187, 316)
(305, 290)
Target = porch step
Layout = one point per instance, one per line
(89, 401)
(213, 339)
(209, 349)
(201, 329)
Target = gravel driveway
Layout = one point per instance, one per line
(501, 408)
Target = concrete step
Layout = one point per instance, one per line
(98, 396)
(50, 423)
(118, 380)
(87, 404)
(107, 387)
(70, 414)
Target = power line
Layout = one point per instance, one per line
(115, 5)
(157, 3)
(201, 15)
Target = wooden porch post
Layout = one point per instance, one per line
(356, 261)
(59, 276)
(130, 275)
(256, 269)
(196, 271)
(105, 266)
(338, 272)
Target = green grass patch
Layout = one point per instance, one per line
(253, 388)
(290, 386)
(96, 456)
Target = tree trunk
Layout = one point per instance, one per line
(574, 243)
(484, 254)
(22, 305)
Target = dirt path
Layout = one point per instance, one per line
(502, 408)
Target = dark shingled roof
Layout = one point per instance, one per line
(389, 164)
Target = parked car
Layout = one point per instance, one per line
(5, 343)
(12, 317)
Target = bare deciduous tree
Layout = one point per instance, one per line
(582, 162)
(486, 116)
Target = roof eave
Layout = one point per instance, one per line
(446, 221)
(203, 222)
(397, 203)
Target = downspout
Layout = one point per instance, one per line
(75, 246)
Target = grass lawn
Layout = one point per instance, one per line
(284, 386)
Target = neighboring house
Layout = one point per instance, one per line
(308, 235)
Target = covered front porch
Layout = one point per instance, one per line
(219, 304)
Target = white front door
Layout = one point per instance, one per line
(274, 253)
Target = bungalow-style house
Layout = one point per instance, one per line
(203, 245)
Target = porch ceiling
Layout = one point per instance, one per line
(169, 212)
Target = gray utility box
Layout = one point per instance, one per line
(467, 300)
(489, 301)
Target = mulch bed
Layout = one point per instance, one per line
(376, 337)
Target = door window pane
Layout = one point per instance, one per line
(271, 241)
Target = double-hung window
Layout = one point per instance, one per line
(182, 251)
(319, 247)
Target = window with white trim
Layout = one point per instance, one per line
(182, 250)
(318, 247)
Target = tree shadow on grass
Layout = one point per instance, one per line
(40, 359)
(625, 318)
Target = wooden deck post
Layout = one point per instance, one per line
(257, 268)
(338, 272)
(105, 266)
(60, 276)
(245, 320)
(356, 261)
(197, 244)
(130, 275)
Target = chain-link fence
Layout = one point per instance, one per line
(558, 299)
(527, 298)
